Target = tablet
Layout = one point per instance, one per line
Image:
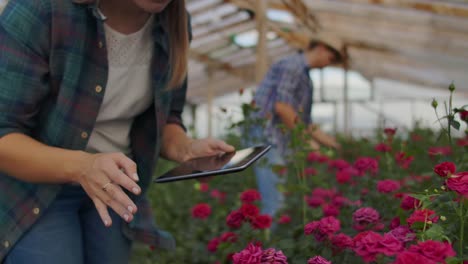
(215, 165)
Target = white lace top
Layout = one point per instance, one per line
(128, 91)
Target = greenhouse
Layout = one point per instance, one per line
(234, 131)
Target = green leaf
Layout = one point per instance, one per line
(455, 124)
(435, 232)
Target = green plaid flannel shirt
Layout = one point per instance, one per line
(52, 58)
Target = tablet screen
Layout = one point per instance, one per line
(215, 165)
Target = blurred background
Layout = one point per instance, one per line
(401, 54)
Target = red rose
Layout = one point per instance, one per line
(343, 176)
(204, 187)
(249, 210)
(201, 211)
(213, 244)
(409, 203)
(235, 219)
(382, 147)
(462, 142)
(261, 222)
(412, 258)
(459, 183)
(284, 219)
(228, 237)
(338, 164)
(434, 250)
(464, 115)
(388, 186)
(250, 196)
(445, 169)
(403, 160)
(390, 131)
(421, 216)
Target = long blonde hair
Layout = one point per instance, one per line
(177, 27)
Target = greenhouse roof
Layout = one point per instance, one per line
(416, 41)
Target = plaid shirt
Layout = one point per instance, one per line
(287, 81)
(53, 73)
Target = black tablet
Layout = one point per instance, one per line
(215, 165)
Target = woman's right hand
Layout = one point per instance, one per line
(103, 177)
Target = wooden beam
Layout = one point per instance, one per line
(261, 48)
(435, 7)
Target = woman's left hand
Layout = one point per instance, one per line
(206, 147)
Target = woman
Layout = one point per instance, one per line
(91, 93)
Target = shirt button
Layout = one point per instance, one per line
(6, 244)
(100, 45)
(36, 211)
(84, 135)
(98, 89)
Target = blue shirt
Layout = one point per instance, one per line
(287, 81)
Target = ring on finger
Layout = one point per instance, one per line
(104, 188)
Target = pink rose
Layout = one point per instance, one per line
(338, 164)
(342, 241)
(250, 196)
(315, 201)
(311, 227)
(388, 186)
(445, 169)
(261, 222)
(271, 256)
(403, 234)
(323, 229)
(422, 216)
(407, 257)
(459, 183)
(366, 164)
(330, 210)
(318, 260)
(366, 245)
(252, 254)
(365, 216)
(390, 245)
(201, 211)
(235, 219)
(204, 187)
(443, 151)
(434, 250)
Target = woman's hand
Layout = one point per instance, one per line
(102, 177)
(197, 148)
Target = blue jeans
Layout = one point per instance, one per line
(71, 231)
(267, 179)
(267, 182)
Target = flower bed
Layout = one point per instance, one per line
(398, 198)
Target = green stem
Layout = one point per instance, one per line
(462, 228)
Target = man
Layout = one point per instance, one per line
(284, 99)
